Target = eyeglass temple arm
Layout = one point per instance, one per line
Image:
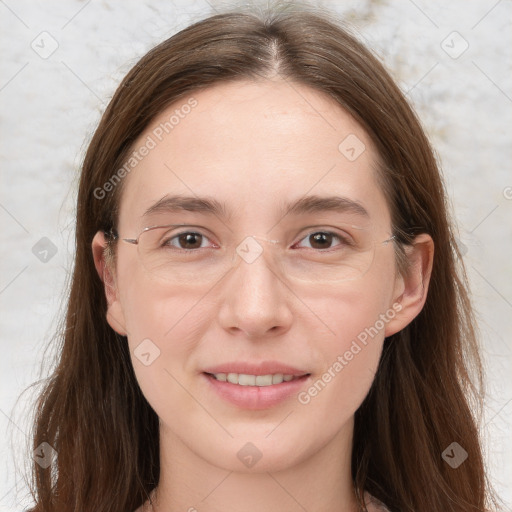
(112, 235)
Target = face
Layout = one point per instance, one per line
(254, 148)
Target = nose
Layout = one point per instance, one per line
(255, 300)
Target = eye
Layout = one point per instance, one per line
(191, 240)
(185, 240)
(324, 239)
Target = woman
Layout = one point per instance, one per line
(268, 309)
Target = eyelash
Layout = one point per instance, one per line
(343, 240)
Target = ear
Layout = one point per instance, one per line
(115, 315)
(411, 289)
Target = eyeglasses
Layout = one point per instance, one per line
(163, 253)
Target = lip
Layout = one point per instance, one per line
(256, 397)
(263, 368)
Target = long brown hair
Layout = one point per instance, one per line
(427, 392)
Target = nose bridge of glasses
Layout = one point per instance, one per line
(265, 239)
(250, 248)
(253, 248)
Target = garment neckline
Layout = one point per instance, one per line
(372, 503)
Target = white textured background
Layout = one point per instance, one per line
(50, 106)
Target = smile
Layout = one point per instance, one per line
(243, 379)
(256, 392)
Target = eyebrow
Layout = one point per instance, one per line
(210, 206)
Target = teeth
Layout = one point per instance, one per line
(243, 379)
(262, 380)
(277, 378)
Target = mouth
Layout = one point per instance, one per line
(256, 392)
(243, 379)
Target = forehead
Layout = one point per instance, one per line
(253, 146)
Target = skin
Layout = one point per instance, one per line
(254, 145)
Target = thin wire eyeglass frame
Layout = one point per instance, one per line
(113, 235)
(135, 241)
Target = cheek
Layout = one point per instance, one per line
(350, 344)
(164, 327)
(347, 310)
(155, 310)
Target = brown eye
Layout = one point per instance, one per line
(187, 240)
(320, 240)
(190, 239)
(323, 240)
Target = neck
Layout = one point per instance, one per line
(317, 482)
